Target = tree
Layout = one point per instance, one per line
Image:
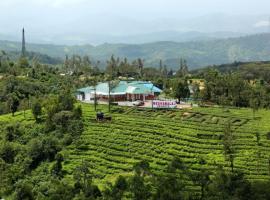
(13, 102)
(23, 62)
(229, 186)
(23, 191)
(181, 90)
(258, 138)
(82, 174)
(52, 107)
(59, 190)
(96, 70)
(111, 85)
(255, 100)
(172, 186)
(165, 71)
(24, 105)
(35, 152)
(37, 110)
(78, 112)
(66, 101)
(112, 66)
(42, 149)
(94, 83)
(8, 152)
(12, 132)
(138, 185)
(202, 178)
(83, 180)
(62, 119)
(140, 65)
(57, 167)
(117, 190)
(183, 70)
(142, 168)
(228, 144)
(196, 91)
(160, 67)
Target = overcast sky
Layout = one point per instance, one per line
(91, 16)
(132, 8)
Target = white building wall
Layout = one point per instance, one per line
(88, 96)
(79, 97)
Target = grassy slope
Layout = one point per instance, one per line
(114, 147)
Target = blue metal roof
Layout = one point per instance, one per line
(86, 89)
(122, 87)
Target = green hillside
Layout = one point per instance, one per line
(46, 155)
(249, 70)
(195, 136)
(159, 136)
(135, 134)
(198, 54)
(31, 56)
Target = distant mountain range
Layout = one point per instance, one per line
(197, 53)
(141, 38)
(98, 29)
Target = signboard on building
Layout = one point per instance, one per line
(164, 104)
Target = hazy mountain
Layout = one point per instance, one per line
(197, 53)
(81, 39)
(174, 36)
(91, 29)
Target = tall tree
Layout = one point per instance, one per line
(112, 64)
(138, 186)
(181, 89)
(160, 67)
(255, 99)
(37, 110)
(172, 186)
(202, 178)
(185, 69)
(228, 144)
(13, 102)
(111, 86)
(140, 65)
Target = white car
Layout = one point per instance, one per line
(138, 103)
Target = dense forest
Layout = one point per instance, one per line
(33, 56)
(41, 119)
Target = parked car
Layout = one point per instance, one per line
(138, 103)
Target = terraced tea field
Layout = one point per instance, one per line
(157, 136)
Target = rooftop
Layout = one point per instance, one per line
(123, 87)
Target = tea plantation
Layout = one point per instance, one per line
(196, 136)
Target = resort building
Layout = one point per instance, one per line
(121, 91)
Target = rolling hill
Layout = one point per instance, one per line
(249, 70)
(158, 136)
(197, 53)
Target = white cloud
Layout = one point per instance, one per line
(262, 23)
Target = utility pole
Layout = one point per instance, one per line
(152, 97)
